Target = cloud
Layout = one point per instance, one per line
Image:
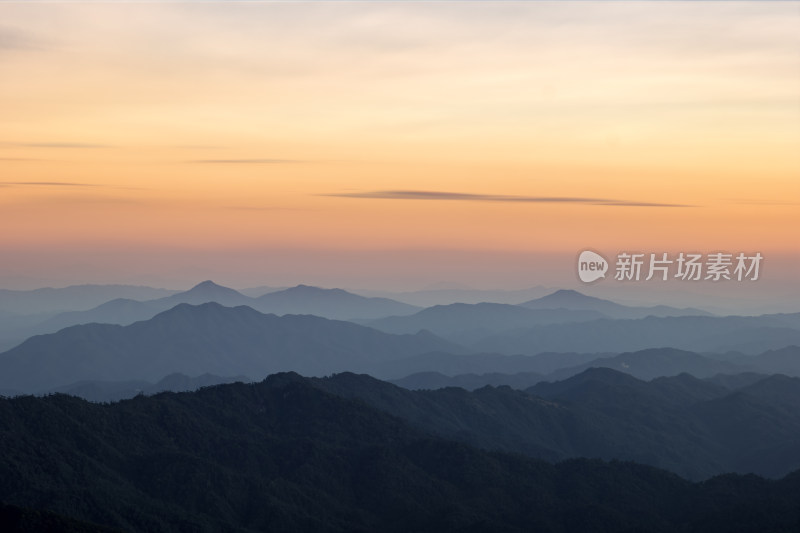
(438, 195)
(247, 161)
(264, 208)
(45, 184)
(624, 203)
(60, 145)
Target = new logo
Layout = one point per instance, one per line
(591, 266)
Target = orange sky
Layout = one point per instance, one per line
(245, 128)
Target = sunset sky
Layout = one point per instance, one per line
(392, 144)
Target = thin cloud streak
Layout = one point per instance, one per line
(440, 195)
(45, 184)
(247, 161)
(58, 145)
(265, 209)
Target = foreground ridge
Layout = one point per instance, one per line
(284, 455)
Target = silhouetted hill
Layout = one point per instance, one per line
(255, 292)
(520, 372)
(125, 311)
(598, 413)
(574, 300)
(120, 311)
(329, 303)
(653, 363)
(686, 389)
(112, 391)
(760, 423)
(736, 381)
(435, 380)
(749, 335)
(439, 295)
(467, 323)
(451, 364)
(204, 292)
(208, 338)
(283, 455)
(783, 361)
(74, 298)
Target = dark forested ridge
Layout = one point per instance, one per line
(284, 455)
(695, 428)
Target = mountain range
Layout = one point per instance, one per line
(207, 338)
(285, 455)
(472, 323)
(300, 300)
(469, 323)
(112, 391)
(748, 335)
(696, 428)
(303, 299)
(576, 301)
(226, 341)
(73, 298)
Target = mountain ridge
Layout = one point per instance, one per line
(204, 338)
(282, 454)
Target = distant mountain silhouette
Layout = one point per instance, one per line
(451, 364)
(443, 296)
(255, 292)
(438, 370)
(570, 299)
(783, 361)
(74, 298)
(112, 391)
(736, 381)
(204, 292)
(208, 338)
(467, 323)
(120, 311)
(749, 335)
(125, 311)
(435, 380)
(329, 303)
(655, 362)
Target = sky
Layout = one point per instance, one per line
(393, 144)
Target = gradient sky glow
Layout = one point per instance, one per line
(141, 139)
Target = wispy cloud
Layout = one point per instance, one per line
(247, 161)
(625, 203)
(264, 208)
(45, 184)
(439, 195)
(60, 145)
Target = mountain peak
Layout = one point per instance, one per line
(567, 295)
(210, 291)
(206, 286)
(313, 289)
(571, 299)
